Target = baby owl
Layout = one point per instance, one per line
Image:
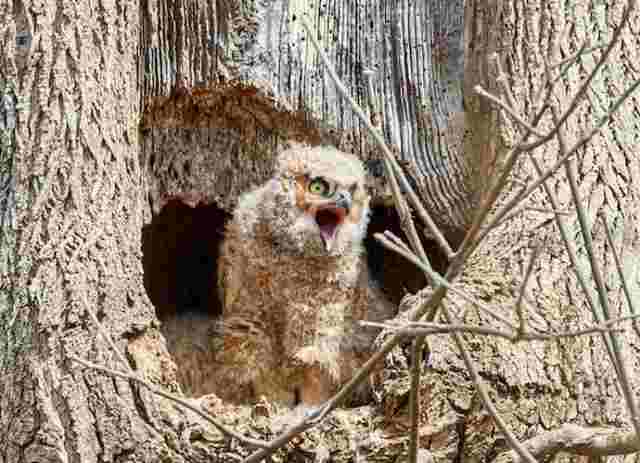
(294, 283)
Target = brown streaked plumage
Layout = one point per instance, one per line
(294, 284)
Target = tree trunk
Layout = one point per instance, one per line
(74, 209)
(222, 86)
(538, 386)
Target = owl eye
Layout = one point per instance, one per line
(319, 187)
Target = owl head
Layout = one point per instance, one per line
(316, 204)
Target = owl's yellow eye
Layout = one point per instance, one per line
(319, 187)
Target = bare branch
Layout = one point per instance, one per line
(414, 396)
(623, 280)
(507, 208)
(439, 279)
(577, 440)
(522, 208)
(476, 234)
(105, 335)
(523, 288)
(509, 110)
(484, 396)
(571, 252)
(521, 146)
(429, 328)
(391, 164)
(155, 390)
(617, 359)
(587, 83)
(131, 375)
(581, 52)
(548, 211)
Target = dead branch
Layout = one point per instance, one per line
(429, 328)
(508, 109)
(230, 433)
(587, 83)
(577, 440)
(623, 280)
(131, 375)
(616, 344)
(484, 396)
(407, 254)
(523, 289)
(391, 165)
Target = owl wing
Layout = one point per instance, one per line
(375, 307)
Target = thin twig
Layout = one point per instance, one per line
(157, 391)
(545, 210)
(587, 82)
(522, 208)
(427, 329)
(440, 280)
(484, 396)
(577, 440)
(475, 234)
(521, 146)
(105, 335)
(621, 368)
(623, 280)
(388, 156)
(396, 240)
(552, 81)
(523, 289)
(571, 252)
(130, 374)
(514, 115)
(581, 52)
(414, 397)
(507, 208)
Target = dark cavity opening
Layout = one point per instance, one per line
(180, 252)
(395, 275)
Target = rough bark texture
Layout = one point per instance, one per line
(538, 386)
(73, 240)
(77, 184)
(415, 93)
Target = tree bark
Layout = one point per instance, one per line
(218, 88)
(538, 386)
(74, 210)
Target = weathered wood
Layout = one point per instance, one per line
(383, 52)
(78, 181)
(77, 208)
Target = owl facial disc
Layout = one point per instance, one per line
(328, 220)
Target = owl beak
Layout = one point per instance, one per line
(328, 220)
(344, 201)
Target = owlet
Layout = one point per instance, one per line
(294, 283)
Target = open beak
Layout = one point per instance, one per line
(330, 216)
